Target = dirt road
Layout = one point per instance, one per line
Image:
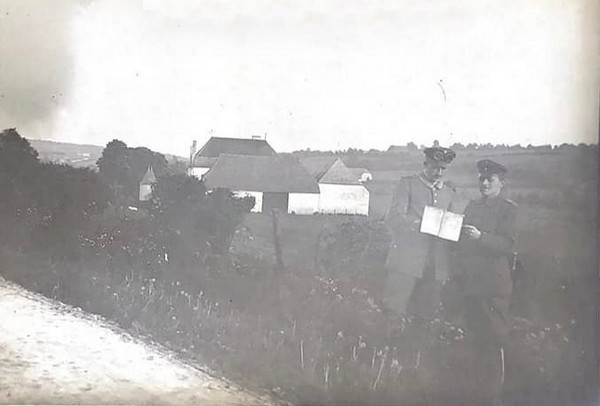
(53, 353)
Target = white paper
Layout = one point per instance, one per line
(451, 226)
(431, 220)
(441, 223)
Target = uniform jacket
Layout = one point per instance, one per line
(484, 264)
(412, 251)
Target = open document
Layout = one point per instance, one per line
(441, 223)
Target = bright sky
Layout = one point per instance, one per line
(320, 74)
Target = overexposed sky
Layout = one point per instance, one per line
(318, 74)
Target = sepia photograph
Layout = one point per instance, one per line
(325, 202)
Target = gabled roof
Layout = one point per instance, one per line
(216, 146)
(339, 173)
(149, 177)
(273, 174)
(317, 166)
(329, 169)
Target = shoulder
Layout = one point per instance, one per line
(405, 181)
(509, 203)
(509, 207)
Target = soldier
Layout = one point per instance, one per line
(484, 266)
(417, 263)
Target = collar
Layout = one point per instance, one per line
(492, 201)
(434, 185)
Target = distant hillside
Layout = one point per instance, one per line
(77, 155)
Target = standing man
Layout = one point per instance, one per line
(417, 263)
(485, 250)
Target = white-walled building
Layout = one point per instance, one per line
(342, 190)
(251, 167)
(146, 185)
(275, 182)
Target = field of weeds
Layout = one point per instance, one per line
(308, 326)
(313, 331)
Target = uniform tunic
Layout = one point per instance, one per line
(416, 261)
(484, 273)
(484, 264)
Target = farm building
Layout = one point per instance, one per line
(274, 181)
(342, 189)
(146, 185)
(206, 157)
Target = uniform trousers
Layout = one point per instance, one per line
(486, 319)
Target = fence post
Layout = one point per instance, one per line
(277, 242)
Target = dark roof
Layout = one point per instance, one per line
(216, 146)
(329, 169)
(273, 174)
(317, 166)
(205, 161)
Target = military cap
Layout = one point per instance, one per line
(489, 167)
(440, 154)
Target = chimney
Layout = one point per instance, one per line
(256, 137)
(192, 153)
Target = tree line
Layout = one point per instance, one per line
(63, 213)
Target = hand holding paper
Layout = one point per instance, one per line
(471, 231)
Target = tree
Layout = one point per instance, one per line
(122, 168)
(67, 200)
(17, 156)
(113, 165)
(139, 160)
(18, 164)
(192, 222)
(177, 192)
(220, 215)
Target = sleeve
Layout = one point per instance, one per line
(502, 241)
(396, 216)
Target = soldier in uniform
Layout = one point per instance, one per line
(417, 263)
(484, 269)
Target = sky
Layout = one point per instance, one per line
(327, 74)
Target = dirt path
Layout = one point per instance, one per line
(53, 353)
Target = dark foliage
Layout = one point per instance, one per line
(122, 168)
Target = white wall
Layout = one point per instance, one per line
(303, 203)
(346, 199)
(145, 193)
(198, 171)
(258, 198)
